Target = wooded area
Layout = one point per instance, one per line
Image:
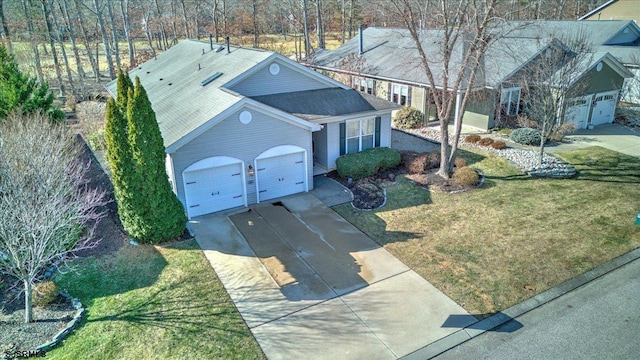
(78, 44)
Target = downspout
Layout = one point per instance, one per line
(457, 113)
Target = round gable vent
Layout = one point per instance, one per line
(245, 117)
(274, 69)
(599, 66)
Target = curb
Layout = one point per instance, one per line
(463, 335)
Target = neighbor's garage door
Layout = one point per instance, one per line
(604, 108)
(281, 171)
(213, 184)
(578, 111)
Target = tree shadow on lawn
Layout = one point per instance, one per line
(179, 315)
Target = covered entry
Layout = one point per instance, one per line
(214, 184)
(281, 171)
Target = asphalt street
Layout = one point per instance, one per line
(600, 320)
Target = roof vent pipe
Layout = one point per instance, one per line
(211, 41)
(227, 41)
(360, 39)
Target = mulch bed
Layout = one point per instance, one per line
(368, 193)
(49, 320)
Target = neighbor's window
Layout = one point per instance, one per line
(360, 135)
(510, 101)
(363, 85)
(400, 94)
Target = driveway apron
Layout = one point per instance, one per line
(311, 285)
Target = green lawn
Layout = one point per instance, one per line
(154, 302)
(483, 247)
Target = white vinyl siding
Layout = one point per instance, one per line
(244, 142)
(287, 80)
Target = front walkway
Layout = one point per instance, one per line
(389, 312)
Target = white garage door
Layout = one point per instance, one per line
(604, 108)
(214, 184)
(281, 171)
(578, 111)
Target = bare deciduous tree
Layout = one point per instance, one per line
(551, 81)
(462, 39)
(46, 209)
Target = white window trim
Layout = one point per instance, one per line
(400, 86)
(360, 134)
(511, 91)
(357, 81)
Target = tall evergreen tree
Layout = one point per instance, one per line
(19, 91)
(159, 211)
(148, 208)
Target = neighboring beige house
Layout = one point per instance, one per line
(384, 62)
(615, 10)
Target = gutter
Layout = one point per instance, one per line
(377, 77)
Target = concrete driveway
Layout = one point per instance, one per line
(310, 285)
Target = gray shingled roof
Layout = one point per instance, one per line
(172, 81)
(324, 103)
(597, 34)
(390, 54)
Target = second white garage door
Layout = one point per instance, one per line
(281, 171)
(604, 108)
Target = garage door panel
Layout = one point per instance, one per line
(214, 189)
(281, 175)
(578, 111)
(604, 108)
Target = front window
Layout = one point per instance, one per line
(360, 135)
(400, 94)
(510, 101)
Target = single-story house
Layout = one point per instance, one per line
(242, 126)
(384, 62)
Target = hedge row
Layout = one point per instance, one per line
(367, 163)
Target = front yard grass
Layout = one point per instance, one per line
(154, 302)
(517, 236)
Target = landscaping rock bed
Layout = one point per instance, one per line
(525, 160)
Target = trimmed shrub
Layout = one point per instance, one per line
(44, 293)
(460, 162)
(561, 131)
(485, 141)
(499, 145)
(408, 118)
(414, 163)
(367, 163)
(472, 139)
(526, 136)
(466, 176)
(98, 140)
(432, 160)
